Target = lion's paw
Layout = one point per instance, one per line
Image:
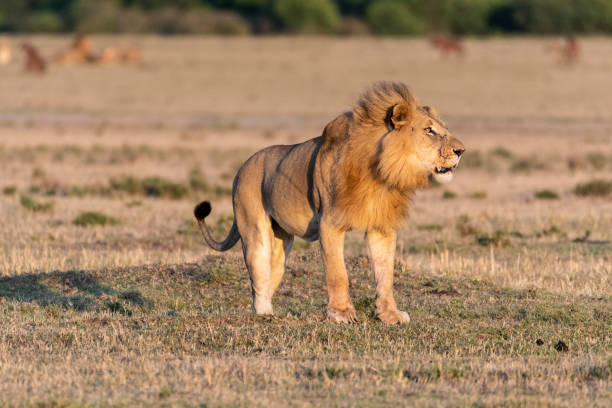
(262, 306)
(394, 317)
(342, 316)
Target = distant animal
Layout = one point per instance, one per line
(360, 174)
(34, 62)
(569, 51)
(5, 53)
(81, 51)
(114, 55)
(131, 55)
(109, 55)
(448, 44)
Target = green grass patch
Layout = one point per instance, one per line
(503, 153)
(526, 165)
(150, 186)
(464, 226)
(9, 190)
(473, 160)
(197, 181)
(449, 195)
(597, 160)
(430, 227)
(29, 203)
(546, 195)
(92, 218)
(594, 188)
(498, 239)
(479, 195)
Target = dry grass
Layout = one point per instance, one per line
(142, 313)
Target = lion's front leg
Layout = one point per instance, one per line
(381, 248)
(339, 307)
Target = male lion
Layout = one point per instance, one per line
(360, 174)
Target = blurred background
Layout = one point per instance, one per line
(340, 17)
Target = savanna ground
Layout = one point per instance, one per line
(506, 272)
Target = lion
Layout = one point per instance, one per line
(360, 174)
(109, 55)
(81, 51)
(5, 53)
(113, 55)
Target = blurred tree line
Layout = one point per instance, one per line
(348, 17)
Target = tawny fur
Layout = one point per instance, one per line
(360, 174)
(5, 53)
(79, 52)
(384, 172)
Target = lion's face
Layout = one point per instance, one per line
(418, 145)
(436, 147)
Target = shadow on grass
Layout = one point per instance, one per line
(68, 289)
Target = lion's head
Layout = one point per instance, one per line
(415, 143)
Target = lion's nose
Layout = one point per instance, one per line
(459, 152)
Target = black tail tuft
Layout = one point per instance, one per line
(202, 210)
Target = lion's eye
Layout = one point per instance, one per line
(430, 131)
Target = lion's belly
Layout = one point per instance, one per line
(288, 190)
(307, 229)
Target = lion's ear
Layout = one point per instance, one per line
(402, 114)
(431, 112)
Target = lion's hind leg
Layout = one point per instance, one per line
(281, 246)
(257, 249)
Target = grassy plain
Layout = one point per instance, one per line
(108, 296)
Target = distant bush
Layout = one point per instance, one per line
(470, 16)
(308, 16)
(150, 186)
(227, 23)
(595, 188)
(354, 27)
(449, 195)
(546, 195)
(497, 239)
(133, 20)
(29, 203)
(597, 160)
(95, 15)
(472, 160)
(45, 22)
(95, 218)
(197, 181)
(479, 195)
(502, 152)
(9, 190)
(526, 165)
(171, 20)
(392, 17)
(552, 16)
(350, 17)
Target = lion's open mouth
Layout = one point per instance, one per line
(442, 170)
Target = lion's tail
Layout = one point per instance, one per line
(201, 211)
